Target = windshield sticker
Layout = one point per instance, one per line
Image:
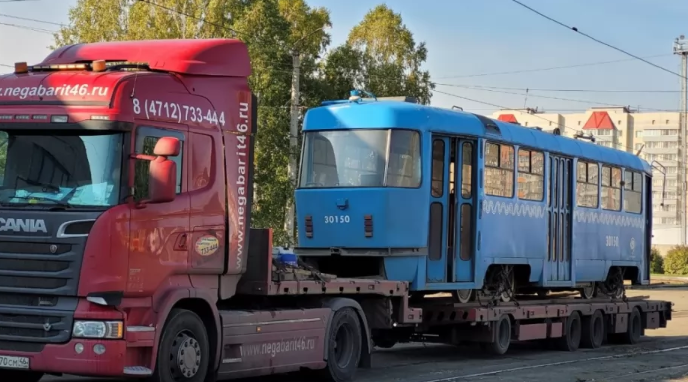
(83, 90)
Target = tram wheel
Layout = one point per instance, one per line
(589, 291)
(464, 296)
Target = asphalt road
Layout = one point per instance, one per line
(661, 356)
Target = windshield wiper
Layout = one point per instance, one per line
(61, 202)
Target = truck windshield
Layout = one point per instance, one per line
(361, 158)
(44, 168)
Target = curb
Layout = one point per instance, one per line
(657, 286)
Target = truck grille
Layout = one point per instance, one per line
(46, 268)
(41, 326)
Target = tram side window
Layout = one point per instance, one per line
(531, 168)
(437, 186)
(633, 193)
(499, 170)
(586, 184)
(611, 188)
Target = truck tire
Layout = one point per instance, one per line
(635, 328)
(593, 331)
(345, 343)
(23, 376)
(571, 339)
(502, 337)
(184, 351)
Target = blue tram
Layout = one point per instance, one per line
(453, 201)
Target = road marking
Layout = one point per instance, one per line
(650, 371)
(494, 372)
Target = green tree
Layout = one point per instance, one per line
(268, 27)
(380, 56)
(656, 261)
(676, 261)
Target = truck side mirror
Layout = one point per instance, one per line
(162, 176)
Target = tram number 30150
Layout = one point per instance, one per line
(337, 219)
(612, 241)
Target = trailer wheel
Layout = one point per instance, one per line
(572, 334)
(23, 376)
(502, 337)
(344, 346)
(593, 331)
(635, 328)
(184, 351)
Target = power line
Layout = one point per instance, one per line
(39, 30)
(542, 96)
(551, 68)
(565, 90)
(190, 16)
(626, 148)
(596, 40)
(27, 19)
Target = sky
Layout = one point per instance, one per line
(471, 42)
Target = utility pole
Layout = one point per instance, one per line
(293, 135)
(681, 48)
(294, 125)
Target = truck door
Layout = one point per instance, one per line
(439, 196)
(465, 210)
(559, 207)
(158, 232)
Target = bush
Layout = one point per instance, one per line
(656, 262)
(676, 261)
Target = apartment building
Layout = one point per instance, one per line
(654, 134)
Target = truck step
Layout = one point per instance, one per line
(137, 370)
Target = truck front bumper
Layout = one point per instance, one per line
(66, 358)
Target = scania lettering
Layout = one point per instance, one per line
(25, 225)
(125, 242)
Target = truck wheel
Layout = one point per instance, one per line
(635, 328)
(502, 337)
(184, 351)
(572, 334)
(23, 376)
(593, 331)
(344, 341)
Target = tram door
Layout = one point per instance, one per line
(439, 210)
(450, 257)
(463, 213)
(559, 206)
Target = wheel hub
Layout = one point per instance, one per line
(188, 356)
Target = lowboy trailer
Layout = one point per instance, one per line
(141, 263)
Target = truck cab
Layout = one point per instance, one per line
(126, 188)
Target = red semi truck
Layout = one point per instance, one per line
(126, 250)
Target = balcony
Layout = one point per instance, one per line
(660, 150)
(659, 138)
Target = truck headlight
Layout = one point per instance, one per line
(98, 329)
